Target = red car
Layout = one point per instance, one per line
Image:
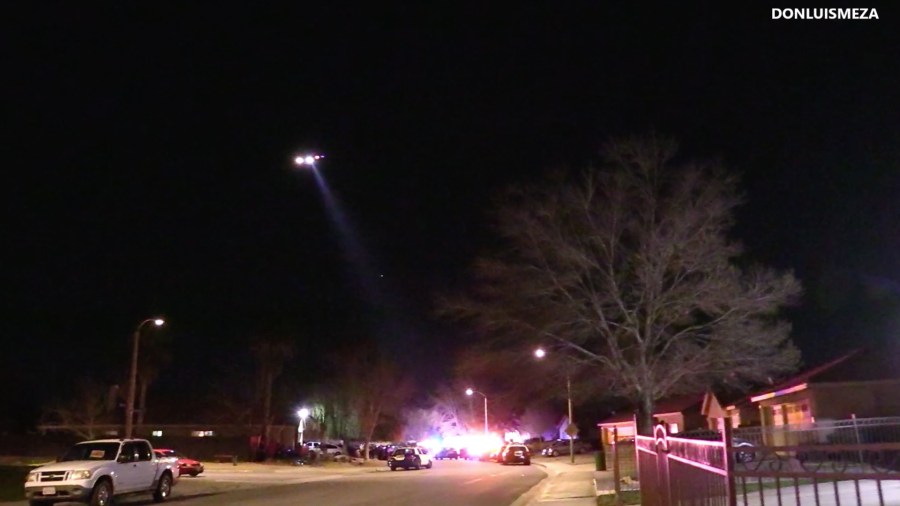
(185, 465)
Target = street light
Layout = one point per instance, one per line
(540, 353)
(132, 376)
(302, 413)
(469, 392)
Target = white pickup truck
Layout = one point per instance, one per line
(95, 472)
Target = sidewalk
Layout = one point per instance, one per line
(569, 484)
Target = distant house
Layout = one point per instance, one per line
(859, 384)
(559, 431)
(678, 414)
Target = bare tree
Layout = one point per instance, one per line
(445, 414)
(418, 423)
(376, 388)
(448, 414)
(82, 413)
(338, 419)
(538, 420)
(631, 268)
(271, 356)
(155, 356)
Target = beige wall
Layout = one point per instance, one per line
(624, 430)
(838, 401)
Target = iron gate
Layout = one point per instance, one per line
(678, 471)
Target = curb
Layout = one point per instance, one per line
(597, 491)
(547, 468)
(529, 496)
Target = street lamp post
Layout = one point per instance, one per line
(132, 375)
(302, 413)
(540, 353)
(469, 392)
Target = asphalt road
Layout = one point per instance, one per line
(447, 483)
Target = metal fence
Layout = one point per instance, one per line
(826, 432)
(839, 474)
(677, 471)
(623, 459)
(818, 466)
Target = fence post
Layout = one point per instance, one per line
(616, 473)
(727, 442)
(662, 463)
(856, 434)
(637, 456)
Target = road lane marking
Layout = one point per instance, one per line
(472, 481)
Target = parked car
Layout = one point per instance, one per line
(535, 445)
(386, 450)
(99, 471)
(409, 457)
(381, 452)
(324, 448)
(447, 453)
(561, 447)
(714, 435)
(186, 465)
(488, 455)
(515, 453)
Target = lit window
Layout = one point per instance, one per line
(157, 433)
(673, 428)
(202, 433)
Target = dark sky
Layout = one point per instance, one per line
(147, 162)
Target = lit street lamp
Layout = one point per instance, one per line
(469, 392)
(302, 413)
(540, 353)
(132, 376)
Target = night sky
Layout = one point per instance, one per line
(147, 165)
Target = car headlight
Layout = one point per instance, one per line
(32, 476)
(80, 475)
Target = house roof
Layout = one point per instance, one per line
(865, 364)
(856, 365)
(669, 405)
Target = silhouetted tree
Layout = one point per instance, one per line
(155, 356)
(376, 387)
(82, 413)
(630, 268)
(538, 419)
(270, 354)
(338, 418)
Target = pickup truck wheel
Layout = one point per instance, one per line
(163, 489)
(102, 494)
